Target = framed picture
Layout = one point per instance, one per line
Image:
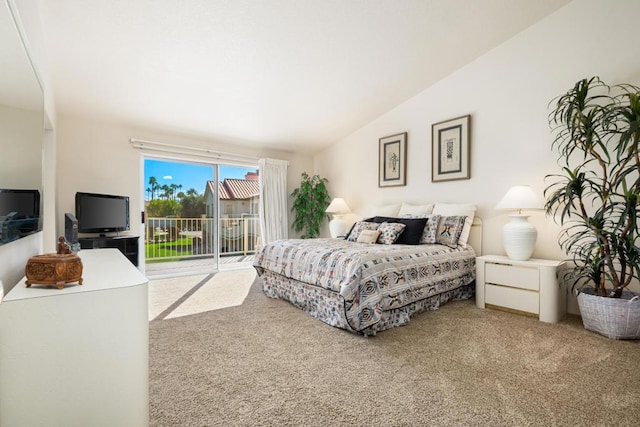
(393, 160)
(450, 149)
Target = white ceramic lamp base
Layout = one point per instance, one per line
(337, 226)
(519, 238)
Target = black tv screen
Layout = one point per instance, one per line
(102, 213)
(19, 213)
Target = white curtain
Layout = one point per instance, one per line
(274, 224)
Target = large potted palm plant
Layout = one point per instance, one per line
(596, 198)
(310, 201)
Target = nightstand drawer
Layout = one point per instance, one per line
(510, 275)
(527, 287)
(516, 299)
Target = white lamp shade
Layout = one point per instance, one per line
(520, 197)
(337, 206)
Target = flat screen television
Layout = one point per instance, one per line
(102, 213)
(19, 214)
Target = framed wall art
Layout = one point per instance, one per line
(450, 141)
(392, 160)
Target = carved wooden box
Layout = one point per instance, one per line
(54, 269)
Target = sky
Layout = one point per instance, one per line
(188, 174)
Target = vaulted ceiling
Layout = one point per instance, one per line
(296, 75)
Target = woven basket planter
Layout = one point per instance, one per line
(615, 318)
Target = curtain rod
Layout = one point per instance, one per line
(183, 149)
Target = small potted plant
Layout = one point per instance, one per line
(310, 201)
(596, 198)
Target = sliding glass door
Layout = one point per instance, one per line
(238, 219)
(199, 217)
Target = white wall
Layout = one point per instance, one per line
(97, 157)
(507, 92)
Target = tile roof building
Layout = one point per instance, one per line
(238, 197)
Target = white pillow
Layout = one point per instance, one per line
(449, 209)
(368, 236)
(415, 210)
(359, 227)
(386, 210)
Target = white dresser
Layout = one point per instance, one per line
(78, 356)
(527, 287)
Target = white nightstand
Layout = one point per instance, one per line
(524, 287)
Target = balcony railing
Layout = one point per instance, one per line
(172, 239)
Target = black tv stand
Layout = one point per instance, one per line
(128, 245)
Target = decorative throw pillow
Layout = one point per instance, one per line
(449, 229)
(389, 232)
(468, 210)
(413, 228)
(430, 230)
(358, 227)
(368, 236)
(346, 237)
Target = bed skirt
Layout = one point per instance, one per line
(328, 306)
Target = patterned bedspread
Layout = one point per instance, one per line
(369, 279)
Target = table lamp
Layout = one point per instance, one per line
(337, 208)
(519, 236)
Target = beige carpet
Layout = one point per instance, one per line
(267, 363)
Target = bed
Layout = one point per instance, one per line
(365, 288)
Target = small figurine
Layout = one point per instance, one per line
(63, 246)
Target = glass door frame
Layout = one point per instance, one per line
(216, 265)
